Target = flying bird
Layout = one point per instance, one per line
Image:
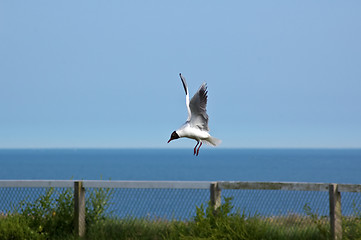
(196, 126)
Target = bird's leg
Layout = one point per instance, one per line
(195, 148)
(199, 148)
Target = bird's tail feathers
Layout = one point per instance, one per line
(213, 141)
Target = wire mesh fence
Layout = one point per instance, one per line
(153, 203)
(14, 199)
(351, 204)
(293, 206)
(293, 211)
(273, 203)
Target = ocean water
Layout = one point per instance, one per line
(291, 165)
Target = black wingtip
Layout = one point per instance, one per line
(184, 83)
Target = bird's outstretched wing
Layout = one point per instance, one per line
(187, 96)
(198, 108)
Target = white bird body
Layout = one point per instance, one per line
(194, 133)
(196, 126)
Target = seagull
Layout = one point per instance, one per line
(196, 126)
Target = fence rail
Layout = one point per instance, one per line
(215, 189)
(291, 186)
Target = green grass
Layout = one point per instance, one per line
(51, 217)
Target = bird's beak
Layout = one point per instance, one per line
(169, 140)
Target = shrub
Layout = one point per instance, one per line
(97, 204)
(220, 224)
(16, 227)
(351, 226)
(51, 215)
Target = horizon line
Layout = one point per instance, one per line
(172, 148)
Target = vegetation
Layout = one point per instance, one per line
(50, 216)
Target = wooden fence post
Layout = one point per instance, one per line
(79, 208)
(215, 196)
(335, 212)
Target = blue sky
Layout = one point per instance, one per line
(284, 74)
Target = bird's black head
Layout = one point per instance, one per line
(173, 136)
